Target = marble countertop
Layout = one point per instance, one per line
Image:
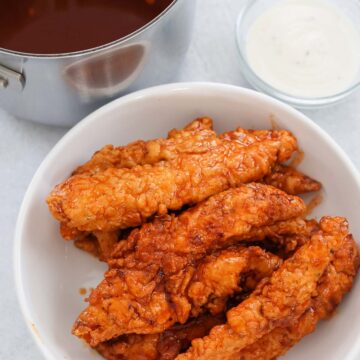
(23, 145)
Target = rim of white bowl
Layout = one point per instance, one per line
(201, 87)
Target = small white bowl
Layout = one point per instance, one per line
(50, 271)
(250, 11)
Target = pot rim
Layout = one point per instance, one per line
(111, 44)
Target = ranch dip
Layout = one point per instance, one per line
(305, 48)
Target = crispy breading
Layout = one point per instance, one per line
(283, 177)
(332, 287)
(244, 246)
(201, 123)
(178, 142)
(291, 180)
(184, 141)
(107, 242)
(246, 137)
(225, 273)
(193, 138)
(284, 237)
(100, 244)
(278, 301)
(88, 243)
(139, 152)
(133, 297)
(164, 346)
(121, 198)
(69, 233)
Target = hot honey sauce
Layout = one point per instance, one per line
(62, 26)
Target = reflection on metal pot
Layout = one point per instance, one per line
(62, 89)
(107, 73)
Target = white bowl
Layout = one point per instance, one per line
(50, 271)
(250, 11)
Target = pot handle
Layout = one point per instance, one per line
(10, 79)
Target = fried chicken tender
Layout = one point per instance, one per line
(283, 177)
(277, 302)
(201, 123)
(246, 137)
(106, 243)
(333, 285)
(137, 153)
(69, 233)
(192, 139)
(218, 277)
(284, 237)
(121, 198)
(136, 296)
(188, 140)
(88, 242)
(164, 346)
(291, 180)
(184, 141)
(99, 244)
(226, 272)
(178, 142)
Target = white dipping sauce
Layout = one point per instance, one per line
(305, 48)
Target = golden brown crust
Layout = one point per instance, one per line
(247, 137)
(284, 237)
(170, 283)
(121, 198)
(225, 273)
(137, 153)
(99, 244)
(291, 180)
(193, 138)
(69, 233)
(277, 302)
(132, 297)
(88, 243)
(178, 142)
(164, 346)
(332, 287)
(201, 123)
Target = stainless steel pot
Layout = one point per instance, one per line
(61, 89)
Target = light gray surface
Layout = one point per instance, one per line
(23, 145)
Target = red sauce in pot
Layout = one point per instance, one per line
(60, 26)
